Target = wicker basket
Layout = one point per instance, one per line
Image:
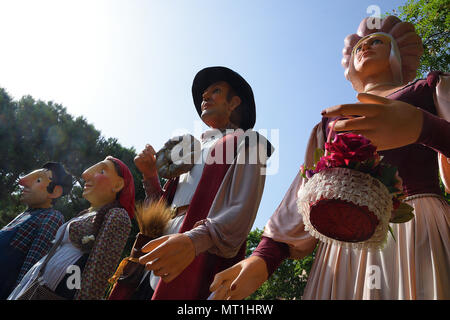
(346, 207)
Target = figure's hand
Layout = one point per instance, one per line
(387, 123)
(146, 162)
(240, 280)
(168, 255)
(444, 171)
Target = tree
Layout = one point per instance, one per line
(34, 132)
(288, 281)
(431, 19)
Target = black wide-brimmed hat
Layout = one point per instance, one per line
(208, 76)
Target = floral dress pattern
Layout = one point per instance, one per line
(105, 251)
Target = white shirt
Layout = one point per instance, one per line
(65, 256)
(188, 181)
(186, 187)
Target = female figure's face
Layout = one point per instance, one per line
(372, 54)
(102, 183)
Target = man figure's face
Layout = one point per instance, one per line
(34, 193)
(217, 106)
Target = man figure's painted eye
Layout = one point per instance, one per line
(38, 180)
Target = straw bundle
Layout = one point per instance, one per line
(152, 218)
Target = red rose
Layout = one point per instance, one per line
(321, 165)
(331, 161)
(351, 147)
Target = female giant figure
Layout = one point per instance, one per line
(408, 122)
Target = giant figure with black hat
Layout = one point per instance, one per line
(28, 237)
(214, 202)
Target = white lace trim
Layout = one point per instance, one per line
(353, 186)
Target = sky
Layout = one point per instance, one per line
(127, 66)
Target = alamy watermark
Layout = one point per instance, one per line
(374, 21)
(74, 280)
(252, 147)
(373, 277)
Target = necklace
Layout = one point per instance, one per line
(380, 85)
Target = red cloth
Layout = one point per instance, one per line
(121, 291)
(272, 252)
(343, 220)
(126, 195)
(193, 283)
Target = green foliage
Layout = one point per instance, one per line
(446, 195)
(288, 281)
(431, 19)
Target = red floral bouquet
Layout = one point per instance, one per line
(351, 195)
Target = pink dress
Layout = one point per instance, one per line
(417, 264)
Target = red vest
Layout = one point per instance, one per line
(193, 283)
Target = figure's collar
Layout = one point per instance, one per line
(38, 208)
(33, 210)
(217, 133)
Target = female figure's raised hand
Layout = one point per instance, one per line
(387, 123)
